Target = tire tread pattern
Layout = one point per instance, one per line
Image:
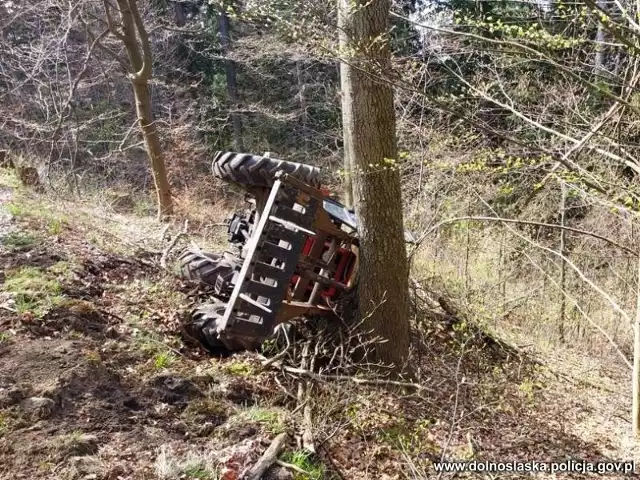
(254, 170)
(204, 267)
(203, 325)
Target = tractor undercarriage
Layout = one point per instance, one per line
(297, 255)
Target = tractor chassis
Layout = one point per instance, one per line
(264, 294)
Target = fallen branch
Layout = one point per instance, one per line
(293, 467)
(522, 222)
(163, 234)
(304, 394)
(172, 244)
(284, 390)
(357, 380)
(451, 317)
(267, 362)
(269, 457)
(308, 443)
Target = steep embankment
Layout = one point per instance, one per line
(95, 382)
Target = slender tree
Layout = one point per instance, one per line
(232, 82)
(344, 72)
(131, 31)
(599, 63)
(370, 138)
(635, 403)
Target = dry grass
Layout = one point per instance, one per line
(514, 288)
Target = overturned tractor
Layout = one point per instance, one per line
(296, 254)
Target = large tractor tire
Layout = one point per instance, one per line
(204, 267)
(257, 171)
(203, 326)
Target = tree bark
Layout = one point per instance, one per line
(600, 58)
(178, 10)
(370, 138)
(563, 264)
(302, 101)
(347, 167)
(136, 41)
(268, 457)
(635, 401)
(232, 81)
(154, 149)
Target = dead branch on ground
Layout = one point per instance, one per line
(172, 244)
(269, 457)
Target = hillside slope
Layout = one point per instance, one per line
(96, 383)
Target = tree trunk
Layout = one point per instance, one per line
(302, 101)
(178, 10)
(347, 167)
(136, 41)
(232, 82)
(563, 264)
(154, 149)
(369, 123)
(635, 407)
(599, 63)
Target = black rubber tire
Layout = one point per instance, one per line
(204, 267)
(257, 171)
(203, 326)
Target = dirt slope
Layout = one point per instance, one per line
(95, 382)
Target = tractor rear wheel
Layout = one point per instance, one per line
(205, 267)
(203, 326)
(257, 171)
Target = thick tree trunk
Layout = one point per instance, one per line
(369, 123)
(232, 82)
(136, 41)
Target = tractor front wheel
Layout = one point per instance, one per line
(204, 325)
